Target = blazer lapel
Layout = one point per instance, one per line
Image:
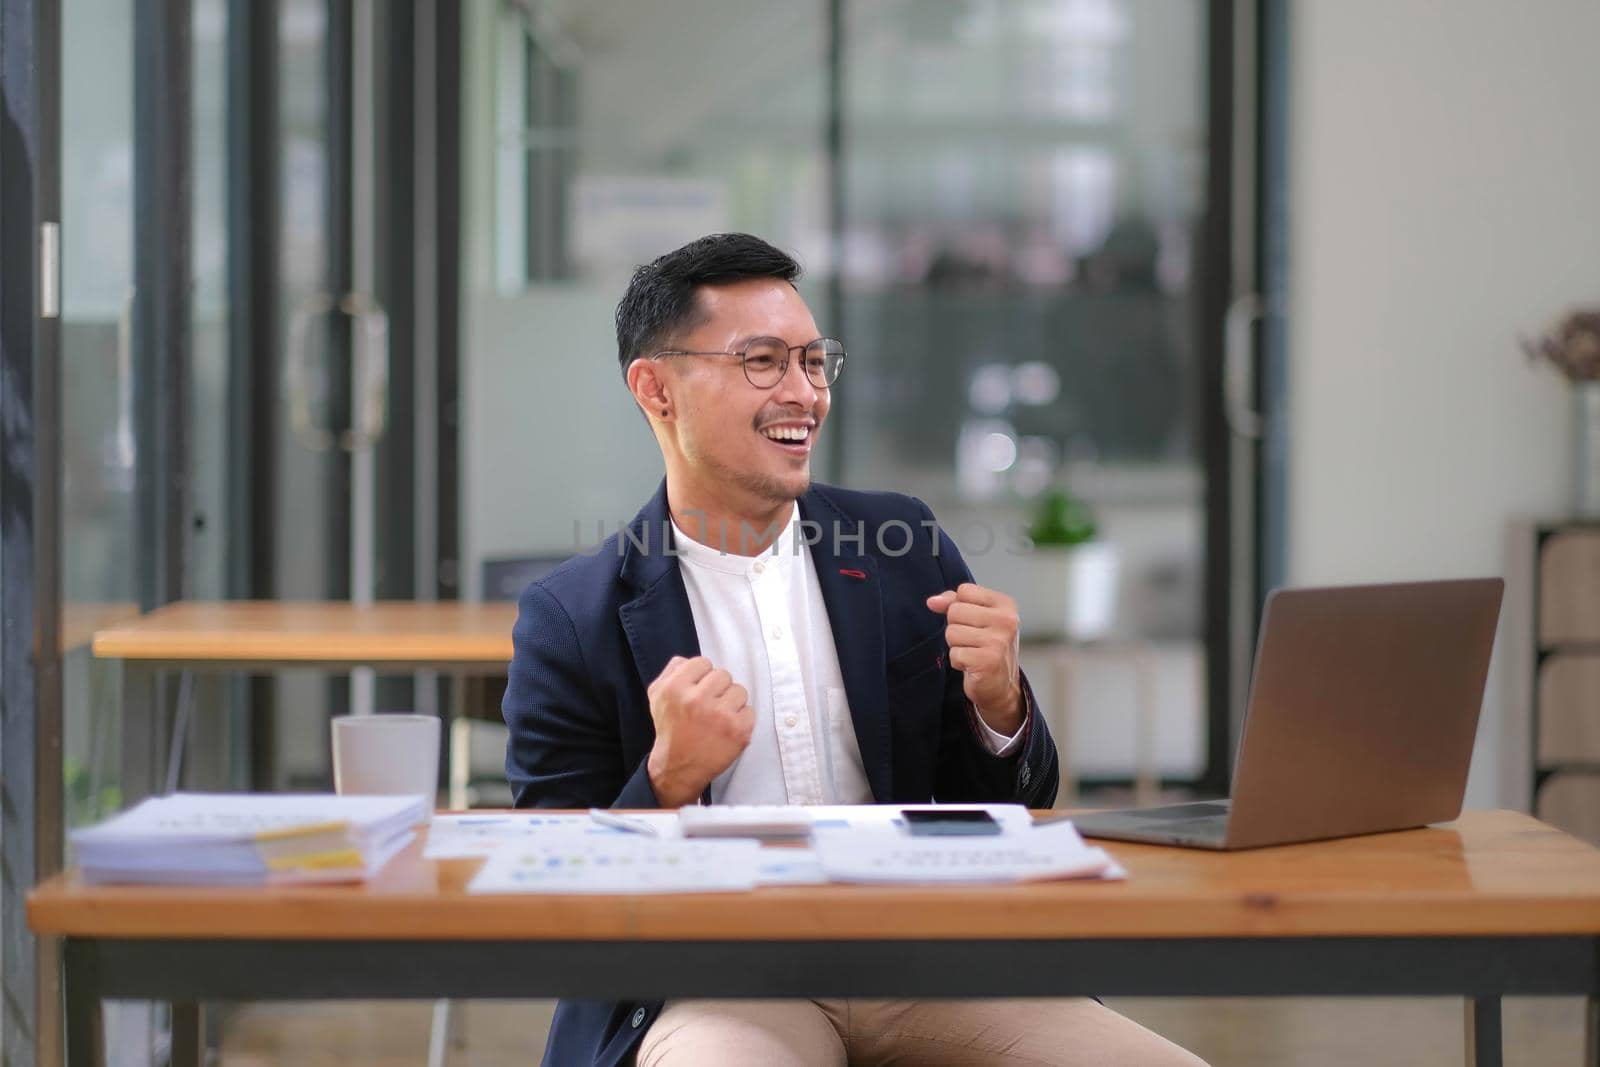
(658, 621)
(848, 578)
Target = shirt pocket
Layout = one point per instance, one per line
(844, 752)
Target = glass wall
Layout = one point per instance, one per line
(101, 360)
(218, 726)
(602, 135)
(98, 456)
(1024, 184)
(208, 403)
(1023, 181)
(303, 465)
(625, 129)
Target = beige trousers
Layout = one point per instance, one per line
(807, 1033)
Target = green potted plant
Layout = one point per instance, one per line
(1072, 591)
(1062, 521)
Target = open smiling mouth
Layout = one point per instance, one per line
(793, 438)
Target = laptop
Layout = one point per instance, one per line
(1363, 709)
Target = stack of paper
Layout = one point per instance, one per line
(249, 839)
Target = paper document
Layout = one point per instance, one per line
(222, 817)
(470, 835)
(1034, 855)
(626, 863)
(1047, 833)
(535, 852)
(880, 820)
(790, 866)
(458, 836)
(857, 820)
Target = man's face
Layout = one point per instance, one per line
(728, 429)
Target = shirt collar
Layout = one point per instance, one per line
(711, 557)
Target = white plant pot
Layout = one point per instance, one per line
(1067, 592)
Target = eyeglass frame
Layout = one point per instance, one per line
(783, 368)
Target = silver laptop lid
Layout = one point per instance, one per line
(1363, 709)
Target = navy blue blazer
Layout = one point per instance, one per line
(594, 633)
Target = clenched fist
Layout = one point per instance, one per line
(703, 722)
(981, 630)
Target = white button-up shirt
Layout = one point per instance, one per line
(762, 619)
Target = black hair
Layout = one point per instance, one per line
(660, 301)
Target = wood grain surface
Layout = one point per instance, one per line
(246, 631)
(1488, 873)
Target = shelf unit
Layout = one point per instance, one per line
(1565, 697)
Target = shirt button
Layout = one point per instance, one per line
(777, 633)
(638, 1017)
(790, 721)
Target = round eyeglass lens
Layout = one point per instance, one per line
(764, 360)
(824, 361)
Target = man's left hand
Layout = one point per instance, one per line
(981, 630)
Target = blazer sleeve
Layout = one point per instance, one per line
(563, 749)
(968, 772)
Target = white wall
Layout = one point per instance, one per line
(1445, 200)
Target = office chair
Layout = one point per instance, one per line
(501, 578)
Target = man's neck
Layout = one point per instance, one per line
(738, 528)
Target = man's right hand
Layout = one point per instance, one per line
(703, 722)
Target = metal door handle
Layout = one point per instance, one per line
(122, 451)
(372, 371)
(370, 358)
(1243, 313)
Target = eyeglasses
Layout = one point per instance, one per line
(766, 360)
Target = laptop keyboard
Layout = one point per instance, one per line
(1205, 809)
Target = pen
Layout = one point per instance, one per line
(622, 822)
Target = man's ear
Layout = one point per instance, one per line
(650, 388)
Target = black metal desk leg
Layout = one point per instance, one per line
(1591, 1032)
(188, 1034)
(85, 1034)
(1483, 1032)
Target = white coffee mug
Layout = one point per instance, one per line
(386, 753)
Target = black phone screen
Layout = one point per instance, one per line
(953, 821)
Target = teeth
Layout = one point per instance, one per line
(787, 433)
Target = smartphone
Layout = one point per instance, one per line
(948, 822)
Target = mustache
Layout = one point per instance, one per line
(763, 421)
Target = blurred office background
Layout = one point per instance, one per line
(1000, 208)
(1246, 277)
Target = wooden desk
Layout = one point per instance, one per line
(465, 640)
(274, 634)
(1492, 905)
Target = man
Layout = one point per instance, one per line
(755, 639)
